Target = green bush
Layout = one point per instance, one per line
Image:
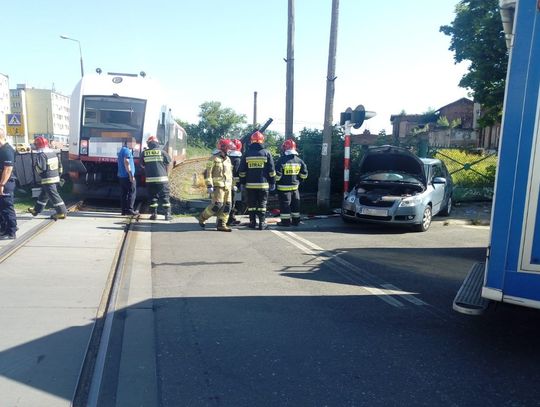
(469, 170)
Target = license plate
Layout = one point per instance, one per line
(374, 212)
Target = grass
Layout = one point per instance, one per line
(24, 200)
(195, 151)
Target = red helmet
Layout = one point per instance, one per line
(224, 144)
(288, 144)
(41, 142)
(237, 144)
(257, 137)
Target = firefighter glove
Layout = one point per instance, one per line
(272, 187)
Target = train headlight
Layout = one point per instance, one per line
(137, 150)
(84, 147)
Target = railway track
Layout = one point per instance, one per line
(90, 380)
(11, 248)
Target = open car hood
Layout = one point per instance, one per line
(393, 159)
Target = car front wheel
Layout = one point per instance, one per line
(426, 220)
(448, 208)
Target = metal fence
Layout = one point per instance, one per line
(473, 171)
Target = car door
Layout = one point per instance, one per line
(438, 187)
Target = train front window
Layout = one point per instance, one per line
(112, 114)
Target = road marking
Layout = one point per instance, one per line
(368, 278)
(407, 296)
(328, 257)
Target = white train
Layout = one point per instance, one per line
(106, 110)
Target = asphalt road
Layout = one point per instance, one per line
(331, 315)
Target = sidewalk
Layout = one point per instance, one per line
(50, 291)
(474, 213)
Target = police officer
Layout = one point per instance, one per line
(8, 218)
(290, 171)
(48, 167)
(235, 154)
(219, 183)
(257, 176)
(156, 164)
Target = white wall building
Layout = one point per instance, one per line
(4, 100)
(45, 113)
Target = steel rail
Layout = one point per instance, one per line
(11, 248)
(90, 377)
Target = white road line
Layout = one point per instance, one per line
(389, 289)
(404, 294)
(293, 242)
(380, 293)
(305, 241)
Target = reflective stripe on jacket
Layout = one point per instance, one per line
(257, 168)
(219, 172)
(155, 163)
(48, 166)
(290, 170)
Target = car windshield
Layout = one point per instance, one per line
(390, 176)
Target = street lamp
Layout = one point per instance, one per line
(80, 51)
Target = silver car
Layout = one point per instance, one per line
(397, 187)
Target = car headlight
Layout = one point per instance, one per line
(412, 201)
(351, 198)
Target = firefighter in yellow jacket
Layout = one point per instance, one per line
(219, 183)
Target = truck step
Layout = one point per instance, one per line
(469, 297)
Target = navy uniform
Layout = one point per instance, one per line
(290, 171)
(235, 154)
(257, 176)
(8, 219)
(155, 163)
(48, 167)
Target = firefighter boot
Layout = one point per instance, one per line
(32, 211)
(295, 221)
(284, 222)
(168, 216)
(57, 216)
(252, 221)
(222, 227)
(153, 216)
(201, 221)
(262, 222)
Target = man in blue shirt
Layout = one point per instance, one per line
(126, 175)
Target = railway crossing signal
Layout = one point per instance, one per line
(356, 117)
(351, 118)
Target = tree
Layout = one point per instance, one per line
(477, 36)
(216, 122)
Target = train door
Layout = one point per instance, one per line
(530, 243)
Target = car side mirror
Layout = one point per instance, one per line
(439, 180)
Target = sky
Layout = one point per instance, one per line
(390, 57)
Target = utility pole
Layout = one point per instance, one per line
(323, 194)
(289, 99)
(254, 109)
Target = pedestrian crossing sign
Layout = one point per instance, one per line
(15, 126)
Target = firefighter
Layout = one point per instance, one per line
(235, 155)
(156, 165)
(290, 171)
(219, 183)
(257, 176)
(48, 167)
